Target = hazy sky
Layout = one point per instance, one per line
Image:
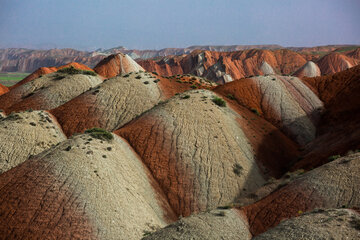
(156, 24)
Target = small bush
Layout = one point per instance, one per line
(254, 110)
(185, 96)
(71, 70)
(100, 133)
(126, 75)
(156, 80)
(146, 82)
(138, 77)
(219, 101)
(193, 86)
(334, 157)
(58, 77)
(230, 96)
(237, 169)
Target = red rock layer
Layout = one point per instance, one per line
(116, 64)
(237, 64)
(336, 62)
(3, 89)
(51, 209)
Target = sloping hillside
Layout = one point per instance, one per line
(87, 187)
(49, 91)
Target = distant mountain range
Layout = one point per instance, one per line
(28, 60)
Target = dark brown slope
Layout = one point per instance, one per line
(333, 185)
(340, 124)
(84, 188)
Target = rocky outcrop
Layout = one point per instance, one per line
(318, 224)
(333, 185)
(47, 91)
(117, 64)
(224, 224)
(284, 101)
(87, 187)
(26, 134)
(223, 67)
(310, 69)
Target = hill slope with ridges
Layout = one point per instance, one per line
(117, 64)
(47, 91)
(200, 154)
(332, 185)
(25, 134)
(84, 188)
(46, 70)
(318, 224)
(284, 101)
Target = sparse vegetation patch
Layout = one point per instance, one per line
(71, 70)
(219, 101)
(100, 133)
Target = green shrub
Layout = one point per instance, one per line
(193, 86)
(185, 96)
(146, 82)
(71, 70)
(333, 157)
(230, 96)
(100, 133)
(138, 77)
(254, 110)
(219, 101)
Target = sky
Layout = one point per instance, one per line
(157, 24)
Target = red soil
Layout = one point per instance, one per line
(3, 89)
(32, 212)
(289, 201)
(336, 62)
(114, 65)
